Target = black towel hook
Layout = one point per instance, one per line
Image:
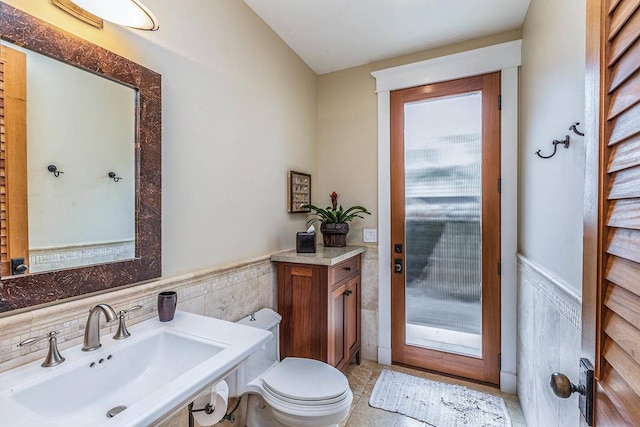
(113, 176)
(555, 143)
(573, 128)
(54, 170)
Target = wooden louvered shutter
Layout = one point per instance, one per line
(14, 231)
(618, 318)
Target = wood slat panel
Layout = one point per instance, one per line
(621, 15)
(612, 5)
(621, 395)
(625, 155)
(624, 273)
(618, 311)
(625, 184)
(624, 214)
(606, 413)
(627, 95)
(624, 303)
(626, 125)
(625, 243)
(623, 364)
(625, 67)
(623, 333)
(625, 38)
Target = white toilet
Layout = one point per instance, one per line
(295, 392)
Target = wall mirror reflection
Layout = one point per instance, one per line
(69, 163)
(116, 188)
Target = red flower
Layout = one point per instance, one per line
(334, 200)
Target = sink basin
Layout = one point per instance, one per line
(134, 382)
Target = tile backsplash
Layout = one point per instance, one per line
(227, 292)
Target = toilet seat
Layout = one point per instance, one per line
(305, 382)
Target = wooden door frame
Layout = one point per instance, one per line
(503, 57)
(591, 267)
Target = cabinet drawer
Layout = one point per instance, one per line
(344, 269)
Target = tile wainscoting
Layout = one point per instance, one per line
(227, 292)
(549, 335)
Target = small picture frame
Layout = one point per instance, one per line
(299, 192)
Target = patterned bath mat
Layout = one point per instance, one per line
(436, 403)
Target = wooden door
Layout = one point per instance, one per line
(611, 285)
(445, 226)
(14, 235)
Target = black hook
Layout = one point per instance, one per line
(54, 170)
(555, 143)
(113, 176)
(575, 130)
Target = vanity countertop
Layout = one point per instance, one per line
(322, 256)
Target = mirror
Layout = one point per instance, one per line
(138, 218)
(82, 124)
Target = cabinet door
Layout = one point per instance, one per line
(337, 349)
(302, 302)
(352, 311)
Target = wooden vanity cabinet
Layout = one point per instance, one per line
(320, 308)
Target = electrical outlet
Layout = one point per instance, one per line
(369, 235)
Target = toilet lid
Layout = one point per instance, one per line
(305, 380)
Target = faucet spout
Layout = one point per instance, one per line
(92, 329)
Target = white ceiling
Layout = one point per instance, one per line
(331, 35)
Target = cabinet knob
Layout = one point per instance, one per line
(347, 268)
(347, 293)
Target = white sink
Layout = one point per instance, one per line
(161, 367)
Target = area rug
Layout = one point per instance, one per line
(436, 403)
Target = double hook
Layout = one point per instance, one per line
(113, 176)
(54, 170)
(564, 141)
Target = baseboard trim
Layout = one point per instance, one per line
(384, 355)
(508, 382)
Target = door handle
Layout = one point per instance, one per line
(563, 387)
(397, 266)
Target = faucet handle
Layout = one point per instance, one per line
(128, 310)
(53, 356)
(122, 331)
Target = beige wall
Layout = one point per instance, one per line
(551, 98)
(348, 130)
(551, 206)
(239, 111)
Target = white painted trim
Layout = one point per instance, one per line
(384, 237)
(470, 63)
(508, 382)
(509, 226)
(504, 57)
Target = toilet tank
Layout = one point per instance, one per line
(269, 354)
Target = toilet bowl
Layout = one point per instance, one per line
(296, 392)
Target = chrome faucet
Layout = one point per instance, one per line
(92, 329)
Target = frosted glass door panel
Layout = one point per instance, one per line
(443, 193)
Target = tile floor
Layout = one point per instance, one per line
(363, 377)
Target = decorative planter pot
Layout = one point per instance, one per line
(334, 235)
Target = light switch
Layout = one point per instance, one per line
(369, 235)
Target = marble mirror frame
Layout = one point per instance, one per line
(21, 292)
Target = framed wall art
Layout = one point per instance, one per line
(299, 191)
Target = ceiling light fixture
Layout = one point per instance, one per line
(130, 13)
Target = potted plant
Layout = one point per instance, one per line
(334, 221)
